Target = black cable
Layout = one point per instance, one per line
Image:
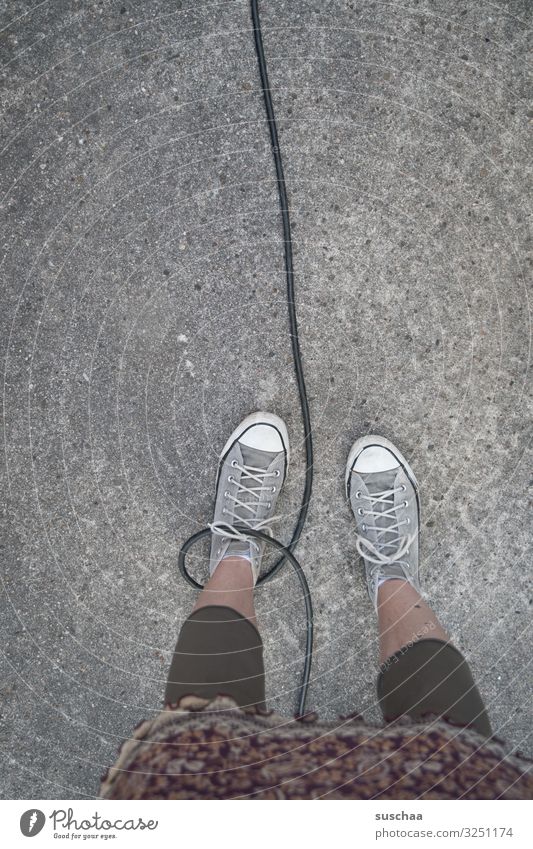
(304, 404)
(289, 273)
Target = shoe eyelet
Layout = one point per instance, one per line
(358, 494)
(363, 527)
(360, 511)
(408, 521)
(277, 473)
(231, 479)
(226, 493)
(272, 489)
(234, 464)
(268, 504)
(406, 503)
(403, 487)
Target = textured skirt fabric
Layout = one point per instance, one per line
(214, 749)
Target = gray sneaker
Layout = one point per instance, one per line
(251, 471)
(383, 494)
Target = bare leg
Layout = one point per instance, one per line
(404, 618)
(230, 586)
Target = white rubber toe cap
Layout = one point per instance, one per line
(263, 437)
(263, 431)
(375, 458)
(373, 453)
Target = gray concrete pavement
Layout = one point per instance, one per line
(144, 315)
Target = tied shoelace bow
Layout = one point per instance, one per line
(227, 529)
(374, 552)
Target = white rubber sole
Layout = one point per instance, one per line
(260, 418)
(365, 442)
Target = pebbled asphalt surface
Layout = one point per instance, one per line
(143, 315)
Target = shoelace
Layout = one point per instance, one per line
(227, 529)
(374, 552)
